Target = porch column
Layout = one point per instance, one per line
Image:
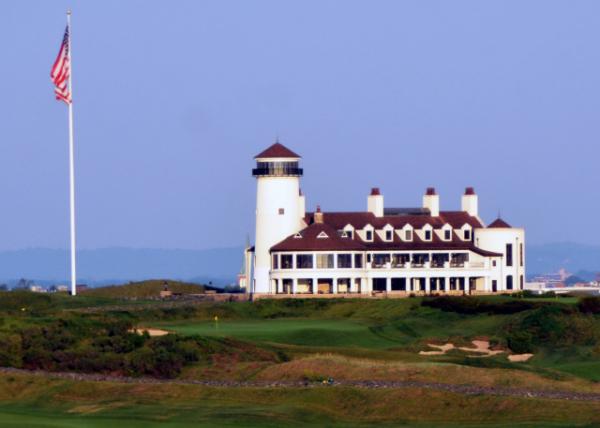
(334, 286)
(388, 284)
(315, 286)
(294, 285)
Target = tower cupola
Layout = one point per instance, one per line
(277, 161)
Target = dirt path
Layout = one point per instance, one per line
(459, 389)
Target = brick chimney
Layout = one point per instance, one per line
(318, 215)
(470, 202)
(375, 202)
(431, 201)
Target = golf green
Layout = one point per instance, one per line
(306, 332)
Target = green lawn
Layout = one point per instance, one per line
(306, 332)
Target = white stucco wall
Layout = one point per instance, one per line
(495, 239)
(273, 194)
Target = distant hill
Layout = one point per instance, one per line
(117, 265)
(576, 258)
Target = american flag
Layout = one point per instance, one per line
(61, 71)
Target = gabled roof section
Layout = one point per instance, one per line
(499, 224)
(277, 150)
(313, 240)
(359, 220)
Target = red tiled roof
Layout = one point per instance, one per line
(499, 224)
(359, 220)
(337, 221)
(277, 150)
(309, 240)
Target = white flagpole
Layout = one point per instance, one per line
(72, 168)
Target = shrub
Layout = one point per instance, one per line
(520, 342)
(589, 305)
(469, 305)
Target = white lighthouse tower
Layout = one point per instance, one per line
(279, 207)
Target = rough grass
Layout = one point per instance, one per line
(38, 402)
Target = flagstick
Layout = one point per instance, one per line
(71, 168)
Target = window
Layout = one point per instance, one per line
(509, 282)
(521, 282)
(380, 260)
(304, 261)
(281, 211)
(350, 234)
(494, 263)
(509, 255)
(358, 261)
(379, 284)
(369, 235)
(467, 234)
(447, 234)
(521, 255)
(438, 260)
(459, 259)
(287, 261)
(388, 235)
(408, 235)
(399, 260)
(275, 261)
(324, 261)
(398, 284)
(344, 261)
(428, 235)
(368, 258)
(418, 260)
(494, 285)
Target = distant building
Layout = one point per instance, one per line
(381, 250)
(37, 289)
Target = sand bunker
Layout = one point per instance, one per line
(442, 349)
(150, 331)
(519, 358)
(481, 347)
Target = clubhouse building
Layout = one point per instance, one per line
(381, 251)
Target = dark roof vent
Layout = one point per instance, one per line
(469, 191)
(430, 191)
(375, 191)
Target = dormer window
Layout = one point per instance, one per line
(447, 235)
(467, 234)
(350, 234)
(428, 235)
(297, 236)
(369, 235)
(388, 235)
(408, 235)
(322, 235)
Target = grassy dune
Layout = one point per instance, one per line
(143, 289)
(35, 402)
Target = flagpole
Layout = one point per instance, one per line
(72, 169)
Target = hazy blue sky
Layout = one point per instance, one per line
(174, 98)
